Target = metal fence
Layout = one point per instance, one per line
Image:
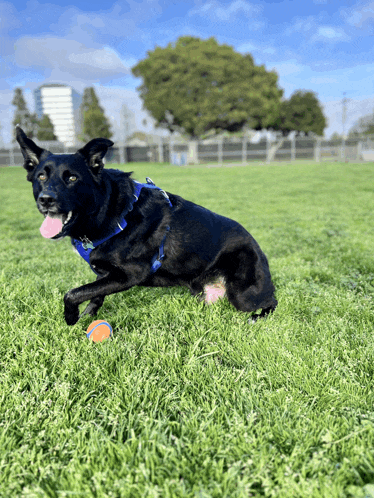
(223, 150)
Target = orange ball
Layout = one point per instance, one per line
(99, 330)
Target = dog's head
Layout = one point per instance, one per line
(66, 186)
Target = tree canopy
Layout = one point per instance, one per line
(301, 113)
(22, 116)
(45, 129)
(197, 85)
(95, 123)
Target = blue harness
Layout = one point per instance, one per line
(84, 246)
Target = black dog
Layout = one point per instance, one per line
(137, 234)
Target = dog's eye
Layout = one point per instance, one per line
(72, 178)
(42, 177)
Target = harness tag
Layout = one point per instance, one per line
(87, 244)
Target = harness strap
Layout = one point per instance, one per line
(84, 246)
(157, 261)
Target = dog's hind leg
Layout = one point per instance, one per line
(264, 313)
(252, 299)
(212, 289)
(248, 283)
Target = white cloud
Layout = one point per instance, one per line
(329, 34)
(301, 25)
(230, 12)
(323, 81)
(269, 50)
(8, 18)
(71, 57)
(250, 48)
(287, 68)
(103, 59)
(121, 22)
(359, 17)
(311, 29)
(247, 47)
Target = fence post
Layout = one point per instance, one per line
(122, 153)
(317, 149)
(342, 150)
(192, 152)
(11, 155)
(160, 151)
(293, 148)
(220, 143)
(244, 150)
(359, 150)
(171, 149)
(267, 149)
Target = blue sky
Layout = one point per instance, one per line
(320, 45)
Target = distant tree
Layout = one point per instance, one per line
(195, 85)
(364, 126)
(336, 136)
(354, 133)
(139, 135)
(95, 123)
(45, 129)
(22, 116)
(301, 113)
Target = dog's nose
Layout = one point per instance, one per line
(46, 200)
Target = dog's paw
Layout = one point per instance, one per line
(71, 311)
(71, 318)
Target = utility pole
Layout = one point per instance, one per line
(344, 119)
(344, 115)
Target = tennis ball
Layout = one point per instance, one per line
(99, 330)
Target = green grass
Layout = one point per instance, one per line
(188, 400)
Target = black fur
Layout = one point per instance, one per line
(200, 248)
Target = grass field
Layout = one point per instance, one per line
(189, 400)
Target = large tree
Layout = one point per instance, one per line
(22, 116)
(45, 129)
(95, 123)
(198, 85)
(301, 113)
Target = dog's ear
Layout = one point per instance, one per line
(94, 152)
(30, 151)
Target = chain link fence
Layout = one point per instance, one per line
(221, 150)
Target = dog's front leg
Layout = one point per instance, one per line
(93, 291)
(93, 306)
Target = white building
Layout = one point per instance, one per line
(61, 103)
(128, 124)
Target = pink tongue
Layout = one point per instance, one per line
(51, 227)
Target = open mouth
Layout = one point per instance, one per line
(54, 225)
